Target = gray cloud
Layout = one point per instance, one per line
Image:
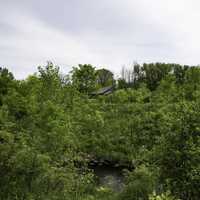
(106, 33)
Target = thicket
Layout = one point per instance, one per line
(51, 126)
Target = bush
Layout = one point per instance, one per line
(140, 184)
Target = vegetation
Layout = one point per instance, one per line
(51, 128)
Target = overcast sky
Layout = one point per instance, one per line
(108, 33)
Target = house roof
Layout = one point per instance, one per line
(103, 91)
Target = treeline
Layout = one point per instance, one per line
(87, 78)
(51, 127)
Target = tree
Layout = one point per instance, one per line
(180, 72)
(131, 77)
(104, 77)
(84, 78)
(6, 82)
(154, 73)
(178, 154)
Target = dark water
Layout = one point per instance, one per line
(108, 176)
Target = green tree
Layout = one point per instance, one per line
(177, 154)
(154, 73)
(6, 82)
(84, 78)
(180, 72)
(104, 77)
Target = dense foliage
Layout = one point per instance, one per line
(51, 127)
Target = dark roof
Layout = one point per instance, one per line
(103, 91)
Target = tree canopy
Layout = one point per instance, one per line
(51, 129)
